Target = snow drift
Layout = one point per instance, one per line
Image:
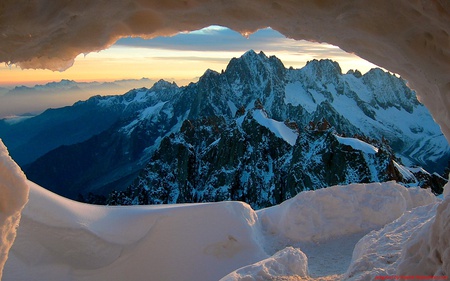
(64, 240)
(13, 196)
(60, 239)
(341, 210)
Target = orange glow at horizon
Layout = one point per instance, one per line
(183, 67)
(118, 64)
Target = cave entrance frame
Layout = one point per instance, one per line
(407, 37)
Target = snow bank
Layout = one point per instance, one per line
(59, 239)
(446, 192)
(287, 262)
(13, 196)
(340, 210)
(427, 252)
(416, 244)
(276, 127)
(378, 253)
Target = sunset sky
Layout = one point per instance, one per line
(181, 58)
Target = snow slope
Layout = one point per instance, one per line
(278, 128)
(357, 144)
(13, 196)
(60, 239)
(64, 240)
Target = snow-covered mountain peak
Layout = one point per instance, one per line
(209, 73)
(258, 65)
(389, 91)
(294, 99)
(163, 85)
(324, 68)
(355, 73)
(251, 54)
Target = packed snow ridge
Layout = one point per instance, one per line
(278, 128)
(60, 239)
(358, 144)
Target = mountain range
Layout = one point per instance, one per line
(257, 132)
(26, 100)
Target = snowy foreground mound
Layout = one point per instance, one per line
(59, 239)
(310, 236)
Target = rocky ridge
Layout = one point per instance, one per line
(376, 106)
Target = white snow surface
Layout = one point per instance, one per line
(427, 252)
(13, 196)
(378, 253)
(296, 94)
(406, 172)
(277, 127)
(341, 210)
(357, 144)
(59, 239)
(287, 262)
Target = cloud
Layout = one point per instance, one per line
(208, 39)
(217, 44)
(217, 38)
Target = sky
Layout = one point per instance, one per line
(182, 58)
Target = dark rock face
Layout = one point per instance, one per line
(210, 160)
(203, 142)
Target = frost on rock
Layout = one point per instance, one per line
(13, 196)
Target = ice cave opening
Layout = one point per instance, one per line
(410, 38)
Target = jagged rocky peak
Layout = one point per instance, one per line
(325, 68)
(389, 90)
(355, 73)
(255, 64)
(227, 124)
(251, 54)
(163, 84)
(209, 74)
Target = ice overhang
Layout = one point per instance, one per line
(410, 38)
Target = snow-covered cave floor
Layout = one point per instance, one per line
(309, 237)
(331, 257)
(327, 260)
